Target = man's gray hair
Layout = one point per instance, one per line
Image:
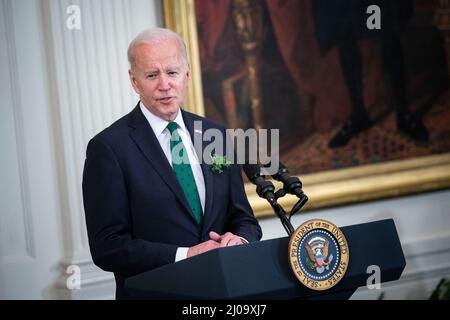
(155, 35)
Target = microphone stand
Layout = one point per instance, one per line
(300, 203)
(279, 211)
(265, 189)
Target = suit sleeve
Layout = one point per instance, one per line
(241, 220)
(108, 222)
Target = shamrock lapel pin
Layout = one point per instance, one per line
(219, 163)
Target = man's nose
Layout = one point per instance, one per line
(163, 83)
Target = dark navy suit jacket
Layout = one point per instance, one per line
(136, 212)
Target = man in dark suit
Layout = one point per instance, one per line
(144, 207)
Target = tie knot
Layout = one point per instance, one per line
(172, 126)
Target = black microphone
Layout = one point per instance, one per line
(265, 189)
(291, 184)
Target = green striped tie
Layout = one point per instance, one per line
(183, 171)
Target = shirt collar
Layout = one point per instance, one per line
(158, 125)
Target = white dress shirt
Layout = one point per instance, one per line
(159, 127)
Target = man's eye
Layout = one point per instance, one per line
(151, 76)
(172, 73)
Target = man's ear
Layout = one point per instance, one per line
(133, 81)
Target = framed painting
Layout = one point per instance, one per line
(363, 113)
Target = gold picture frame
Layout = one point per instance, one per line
(327, 188)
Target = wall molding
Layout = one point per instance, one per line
(95, 283)
(17, 110)
(90, 89)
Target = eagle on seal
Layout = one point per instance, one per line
(318, 255)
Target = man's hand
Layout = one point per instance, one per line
(217, 241)
(227, 239)
(202, 247)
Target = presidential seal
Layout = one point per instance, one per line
(318, 254)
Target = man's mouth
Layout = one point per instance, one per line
(166, 99)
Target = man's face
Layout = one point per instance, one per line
(160, 77)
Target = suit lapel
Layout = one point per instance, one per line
(206, 169)
(145, 139)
